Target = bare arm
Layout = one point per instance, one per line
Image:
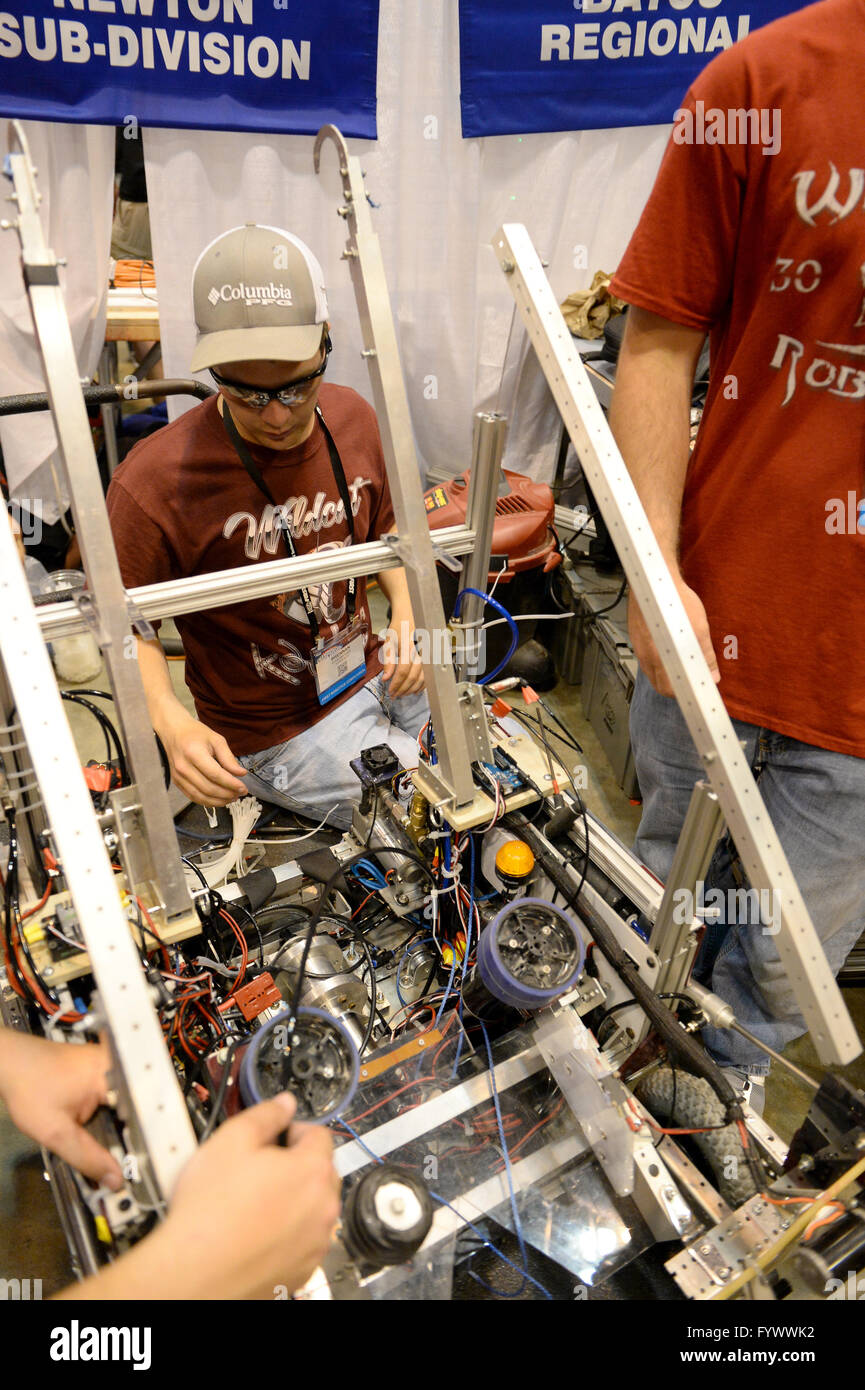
(202, 764)
(402, 669)
(650, 418)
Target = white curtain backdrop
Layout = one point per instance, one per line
(440, 200)
(75, 176)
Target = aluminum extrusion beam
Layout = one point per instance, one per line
(200, 591)
(487, 449)
(799, 947)
(363, 253)
(75, 439)
(151, 1085)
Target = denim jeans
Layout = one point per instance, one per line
(310, 774)
(816, 801)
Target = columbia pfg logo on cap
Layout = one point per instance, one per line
(253, 294)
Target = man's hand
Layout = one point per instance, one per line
(644, 647)
(246, 1218)
(202, 764)
(402, 671)
(52, 1089)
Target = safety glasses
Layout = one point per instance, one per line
(292, 393)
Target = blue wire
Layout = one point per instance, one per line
(471, 1225)
(518, 1230)
(468, 934)
(503, 612)
(460, 1040)
(376, 877)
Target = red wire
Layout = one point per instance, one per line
(244, 950)
(363, 904)
(161, 944)
(41, 903)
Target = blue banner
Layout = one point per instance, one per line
(258, 65)
(544, 65)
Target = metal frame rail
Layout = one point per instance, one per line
(148, 1086)
(363, 253)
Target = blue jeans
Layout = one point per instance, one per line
(310, 774)
(816, 801)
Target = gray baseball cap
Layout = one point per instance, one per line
(258, 295)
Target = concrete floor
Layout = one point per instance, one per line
(31, 1243)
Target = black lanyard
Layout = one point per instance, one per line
(278, 516)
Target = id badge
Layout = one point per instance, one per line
(339, 662)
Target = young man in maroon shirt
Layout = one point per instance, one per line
(289, 688)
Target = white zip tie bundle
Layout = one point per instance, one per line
(244, 814)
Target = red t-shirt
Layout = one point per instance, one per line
(767, 251)
(182, 503)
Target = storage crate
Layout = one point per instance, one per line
(609, 674)
(584, 592)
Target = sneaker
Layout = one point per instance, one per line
(751, 1090)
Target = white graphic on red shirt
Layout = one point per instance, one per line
(321, 596)
(821, 374)
(301, 517)
(287, 665)
(828, 201)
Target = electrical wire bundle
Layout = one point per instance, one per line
(21, 971)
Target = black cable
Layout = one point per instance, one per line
(151, 931)
(238, 906)
(525, 718)
(107, 730)
(338, 873)
(556, 720)
(585, 870)
(572, 535)
(599, 613)
(373, 990)
(635, 1003)
(77, 698)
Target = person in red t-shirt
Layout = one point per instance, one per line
(755, 233)
(288, 688)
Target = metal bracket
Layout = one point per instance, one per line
(710, 726)
(405, 550)
(586, 1081)
(474, 716)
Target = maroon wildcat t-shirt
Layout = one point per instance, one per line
(183, 504)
